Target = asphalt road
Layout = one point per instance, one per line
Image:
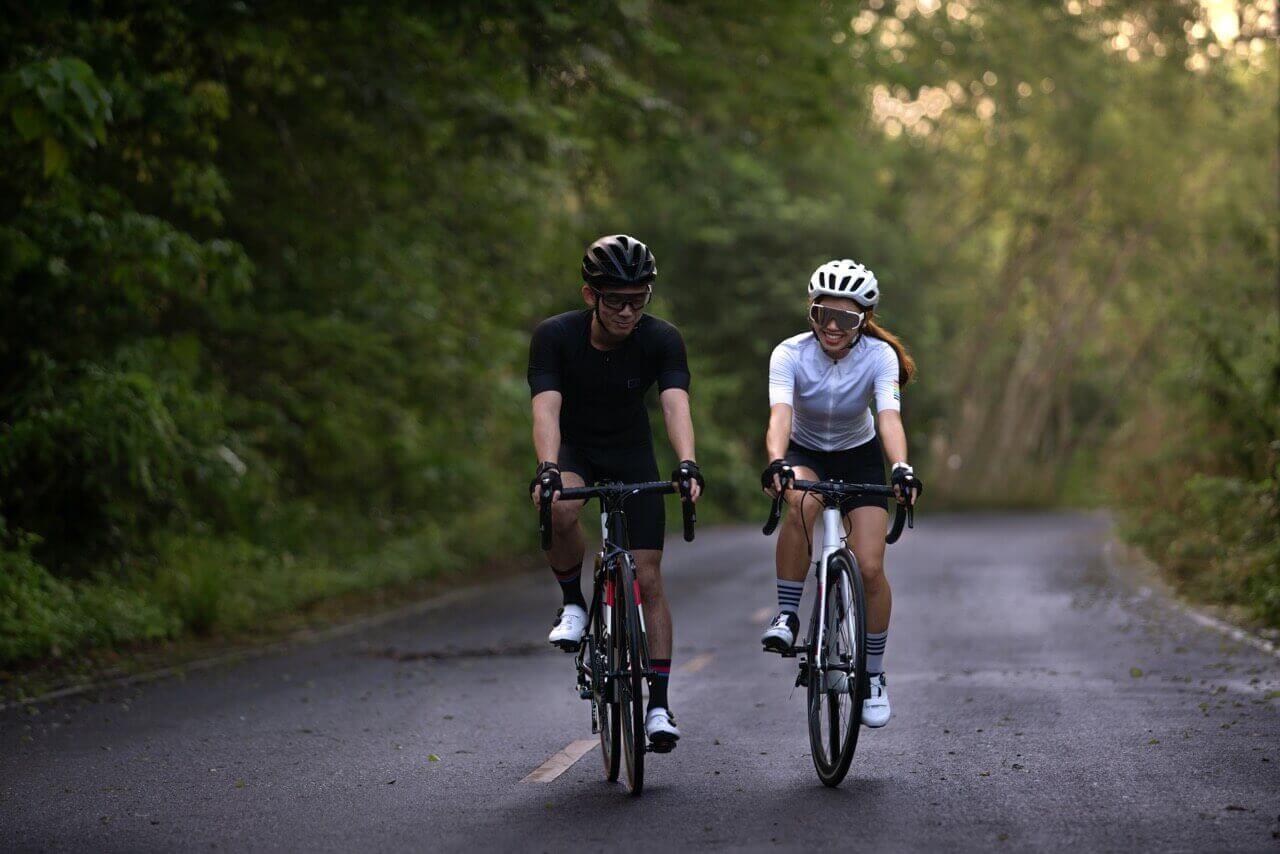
(1038, 704)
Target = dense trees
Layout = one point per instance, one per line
(267, 270)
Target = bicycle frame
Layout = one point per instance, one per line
(614, 547)
(833, 540)
(613, 529)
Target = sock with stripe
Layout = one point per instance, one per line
(661, 668)
(789, 593)
(570, 581)
(875, 652)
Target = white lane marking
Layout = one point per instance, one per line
(561, 761)
(696, 663)
(762, 614)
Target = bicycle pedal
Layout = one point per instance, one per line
(567, 646)
(664, 746)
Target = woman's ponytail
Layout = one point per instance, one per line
(906, 364)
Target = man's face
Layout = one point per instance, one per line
(619, 308)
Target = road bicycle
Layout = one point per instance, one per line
(613, 659)
(833, 659)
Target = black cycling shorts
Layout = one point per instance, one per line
(863, 464)
(646, 514)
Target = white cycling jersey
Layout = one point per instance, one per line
(831, 399)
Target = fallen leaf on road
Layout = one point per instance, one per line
(431, 757)
(239, 784)
(984, 773)
(1135, 672)
(1154, 741)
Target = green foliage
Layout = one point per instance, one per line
(59, 104)
(268, 271)
(41, 615)
(1205, 502)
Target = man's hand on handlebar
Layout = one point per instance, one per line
(775, 475)
(688, 471)
(547, 475)
(907, 488)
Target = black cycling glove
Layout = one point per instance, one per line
(777, 467)
(688, 470)
(905, 479)
(548, 474)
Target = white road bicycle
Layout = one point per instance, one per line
(833, 659)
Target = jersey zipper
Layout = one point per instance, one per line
(831, 397)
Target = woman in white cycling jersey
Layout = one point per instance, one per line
(822, 386)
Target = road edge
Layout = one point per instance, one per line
(304, 637)
(1125, 562)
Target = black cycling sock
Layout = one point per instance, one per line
(661, 668)
(570, 582)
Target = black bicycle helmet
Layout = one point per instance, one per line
(618, 260)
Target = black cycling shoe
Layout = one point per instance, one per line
(781, 634)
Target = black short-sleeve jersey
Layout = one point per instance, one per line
(604, 389)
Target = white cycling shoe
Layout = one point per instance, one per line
(569, 627)
(661, 729)
(781, 634)
(875, 709)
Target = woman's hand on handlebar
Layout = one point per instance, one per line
(774, 476)
(547, 475)
(907, 488)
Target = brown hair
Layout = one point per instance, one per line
(906, 364)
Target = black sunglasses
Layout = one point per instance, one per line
(616, 302)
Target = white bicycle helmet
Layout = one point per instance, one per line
(845, 278)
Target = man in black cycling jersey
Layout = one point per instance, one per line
(588, 374)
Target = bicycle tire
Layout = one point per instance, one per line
(845, 634)
(606, 704)
(631, 695)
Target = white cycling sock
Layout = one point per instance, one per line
(789, 593)
(875, 652)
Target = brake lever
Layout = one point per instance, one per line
(688, 508)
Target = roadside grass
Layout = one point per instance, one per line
(201, 593)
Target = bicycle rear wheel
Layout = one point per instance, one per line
(605, 692)
(629, 648)
(837, 689)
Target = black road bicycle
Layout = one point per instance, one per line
(613, 659)
(833, 659)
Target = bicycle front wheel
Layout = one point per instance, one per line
(837, 683)
(629, 645)
(605, 693)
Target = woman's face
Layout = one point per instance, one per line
(843, 312)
